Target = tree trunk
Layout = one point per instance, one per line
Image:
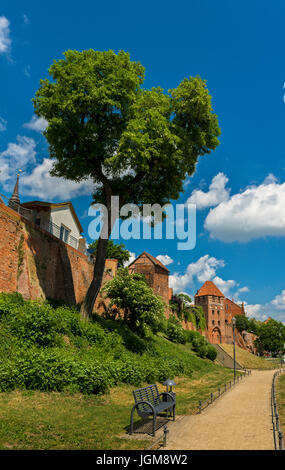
(94, 288)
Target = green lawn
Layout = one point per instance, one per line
(38, 420)
(281, 401)
(249, 360)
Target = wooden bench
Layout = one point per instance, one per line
(149, 402)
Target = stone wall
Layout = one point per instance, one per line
(39, 265)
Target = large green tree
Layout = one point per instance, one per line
(116, 251)
(134, 143)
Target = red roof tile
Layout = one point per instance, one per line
(209, 288)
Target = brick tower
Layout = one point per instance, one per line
(219, 312)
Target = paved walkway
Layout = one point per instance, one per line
(239, 420)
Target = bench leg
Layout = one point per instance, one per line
(154, 424)
(132, 420)
(174, 413)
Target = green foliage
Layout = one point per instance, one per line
(242, 323)
(143, 310)
(131, 142)
(174, 330)
(46, 348)
(181, 305)
(271, 337)
(200, 345)
(200, 317)
(114, 251)
(100, 118)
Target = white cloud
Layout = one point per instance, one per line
(131, 259)
(39, 183)
(165, 259)
(255, 310)
(224, 286)
(202, 270)
(5, 41)
(3, 124)
(274, 309)
(279, 301)
(270, 178)
(256, 212)
(217, 193)
(243, 289)
(37, 124)
(17, 156)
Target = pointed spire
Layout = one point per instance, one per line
(15, 196)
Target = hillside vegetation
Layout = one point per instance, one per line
(66, 383)
(53, 349)
(249, 360)
(281, 400)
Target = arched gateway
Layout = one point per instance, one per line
(216, 336)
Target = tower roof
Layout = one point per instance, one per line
(152, 259)
(15, 196)
(209, 288)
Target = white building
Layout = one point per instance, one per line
(60, 219)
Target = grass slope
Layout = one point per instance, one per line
(281, 401)
(51, 420)
(249, 360)
(67, 383)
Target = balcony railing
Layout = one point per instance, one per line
(56, 231)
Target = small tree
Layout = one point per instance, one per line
(114, 251)
(242, 323)
(181, 305)
(142, 309)
(133, 143)
(269, 338)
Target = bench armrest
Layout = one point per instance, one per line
(144, 402)
(167, 393)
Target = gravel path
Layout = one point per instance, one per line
(239, 420)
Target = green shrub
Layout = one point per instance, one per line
(174, 330)
(35, 323)
(9, 303)
(46, 348)
(212, 352)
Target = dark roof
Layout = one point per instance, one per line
(152, 259)
(31, 204)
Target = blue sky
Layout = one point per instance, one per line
(238, 47)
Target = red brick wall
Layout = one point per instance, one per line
(10, 236)
(39, 265)
(156, 277)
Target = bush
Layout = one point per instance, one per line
(142, 310)
(174, 330)
(212, 352)
(200, 345)
(45, 348)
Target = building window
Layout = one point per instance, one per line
(219, 322)
(218, 312)
(213, 311)
(64, 233)
(213, 322)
